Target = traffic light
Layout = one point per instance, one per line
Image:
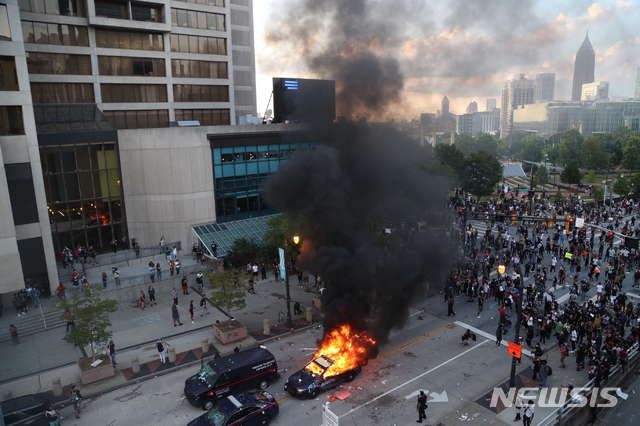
(568, 223)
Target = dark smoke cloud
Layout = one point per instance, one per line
(342, 194)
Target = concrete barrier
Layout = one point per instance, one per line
(266, 327)
(57, 386)
(135, 365)
(205, 345)
(172, 354)
(309, 314)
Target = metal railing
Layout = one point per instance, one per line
(568, 414)
(145, 279)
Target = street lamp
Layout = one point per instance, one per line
(296, 240)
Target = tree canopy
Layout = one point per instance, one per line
(482, 173)
(571, 173)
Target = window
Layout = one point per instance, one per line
(198, 69)
(58, 63)
(112, 10)
(200, 20)
(197, 44)
(219, 3)
(21, 193)
(61, 34)
(11, 120)
(206, 117)
(198, 93)
(61, 93)
(129, 40)
(54, 7)
(146, 13)
(116, 65)
(115, 93)
(8, 74)
(138, 119)
(5, 30)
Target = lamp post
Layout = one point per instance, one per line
(607, 178)
(514, 360)
(296, 240)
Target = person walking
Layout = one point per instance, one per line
(152, 296)
(171, 268)
(450, 303)
(175, 315)
(422, 406)
(527, 417)
(178, 265)
(185, 285)
(143, 299)
(70, 323)
(159, 271)
(203, 303)
(480, 302)
(13, 330)
(263, 271)
(76, 399)
(200, 281)
(17, 303)
(160, 346)
(499, 335)
(104, 279)
(52, 416)
(191, 309)
(152, 271)
(112, 352)
(174, 293)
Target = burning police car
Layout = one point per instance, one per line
(318, 376)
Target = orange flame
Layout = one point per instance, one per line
(346, 349)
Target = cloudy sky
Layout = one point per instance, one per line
(398, 58)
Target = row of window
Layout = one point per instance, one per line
(219, 3)
(11, 121)
(198, 69)
(129, 40)
(198, 44)
(139, 12)
(78, 158)
(56, 93)
(8, 74)
(138, 119)
(5, 29)
(243, 154)
(54, 7)
(200, 93)
(57, 34)
(200, 20)
(126, 66)
(116, 93)
(58, 63)
(206, 117)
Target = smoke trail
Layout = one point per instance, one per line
(356, 183)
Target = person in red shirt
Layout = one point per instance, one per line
(60, 291)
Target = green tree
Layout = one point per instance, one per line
(277, 228)
(571, 173)
(91, 316)
(570, 147)
(465, 143)
(592, 154)
(592, 176)
(230, 289)
(482, 173)
(597, 192)
(635, 180)
(631, 154)
(485, 142)
(247, 250)
(540, 175)
(451, 156)
(622, 186)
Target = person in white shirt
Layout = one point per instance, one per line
(528, 414)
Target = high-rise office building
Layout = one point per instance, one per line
(74, 74)
(545, 84)
(515, 93)
(445, 105)
(594, 91)
(636, 95)
(491, 104)
(584, 69)
(472, 107)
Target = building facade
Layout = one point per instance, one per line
(595, 91)
(472, 107)
(545, 84)
(479, 122)
(516, 92)
(491, 104)
(584, 68)
(636, 93)
(445, 106)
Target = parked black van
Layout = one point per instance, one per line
(231, 374)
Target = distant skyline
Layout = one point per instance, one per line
(469, 50)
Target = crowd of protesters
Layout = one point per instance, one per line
(596, 332)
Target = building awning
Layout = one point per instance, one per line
(224, 234)
(56, 123)
(513, 170)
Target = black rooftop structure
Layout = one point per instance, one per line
(60, 124)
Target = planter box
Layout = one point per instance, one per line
(227, 334)
(89, 374)
(317, 303)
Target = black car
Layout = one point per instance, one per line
(307, 384)
(25, 410)
(247, 409)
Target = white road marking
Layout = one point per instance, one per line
(413, 380)
(414, 394)
(489, 336)
(442, 397)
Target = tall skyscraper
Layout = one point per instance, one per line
(584, 70)
(445, 105)
(491, 104)
(516, 92)
(636, 95)
(545, 84)
(472, 107)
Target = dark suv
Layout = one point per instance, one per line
(248, 409)
(25, 410)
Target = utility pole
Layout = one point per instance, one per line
(514, 360)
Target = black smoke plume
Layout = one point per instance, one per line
(341, 196)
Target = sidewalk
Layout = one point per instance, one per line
(29, 366)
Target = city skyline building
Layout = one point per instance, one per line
(516, 92)
(491, 104)
(595, 91)
(545, 84)
(584, 68)
(472, 107)
(445, 106)
(636, 94)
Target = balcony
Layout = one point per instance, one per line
(129, 14)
